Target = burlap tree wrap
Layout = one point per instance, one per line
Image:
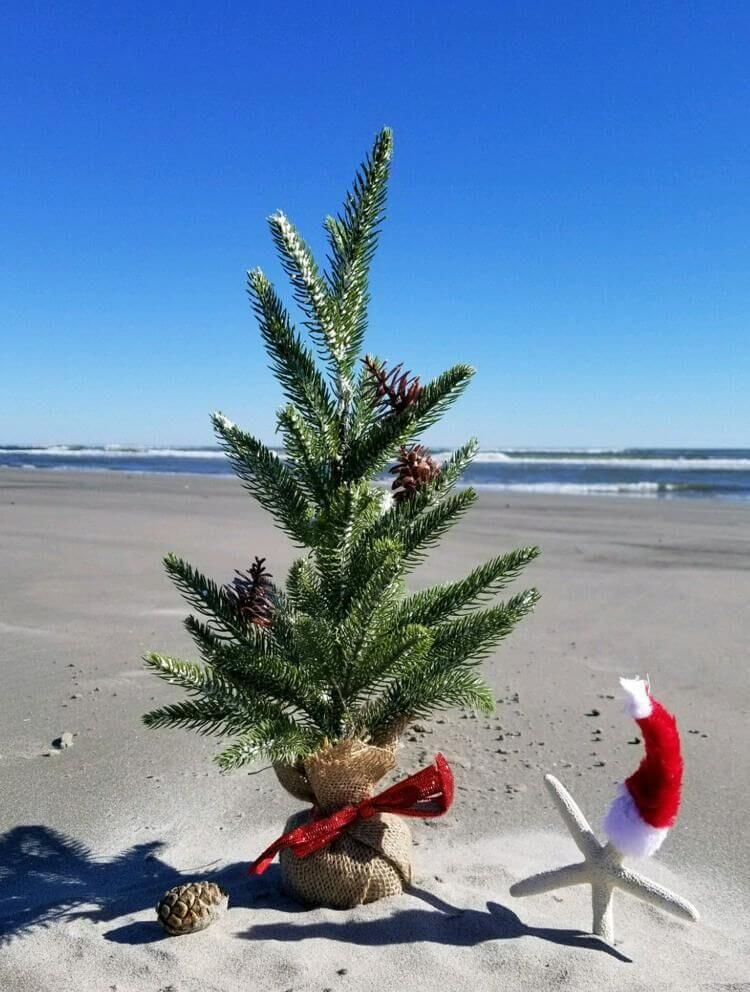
(372, 859)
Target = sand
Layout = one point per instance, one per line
(90, 837)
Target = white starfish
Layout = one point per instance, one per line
(602, 869)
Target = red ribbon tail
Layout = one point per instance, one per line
(261, 863)
(308, 838)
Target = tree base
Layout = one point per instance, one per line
(371, 861)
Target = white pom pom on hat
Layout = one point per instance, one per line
(638, 702)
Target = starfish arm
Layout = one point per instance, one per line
(601, 905)
(643, 888)
(574, 819)
(546, 881)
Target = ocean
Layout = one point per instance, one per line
(663, 473)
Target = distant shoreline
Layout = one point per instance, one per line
(645, 491)
(651, 473)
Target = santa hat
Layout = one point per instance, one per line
(646, 804)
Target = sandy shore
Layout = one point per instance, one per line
(91, 837)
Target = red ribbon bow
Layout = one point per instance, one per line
(427, 793)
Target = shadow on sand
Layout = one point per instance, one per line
(441, 924)
(47, 877)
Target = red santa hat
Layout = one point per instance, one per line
(646, 804)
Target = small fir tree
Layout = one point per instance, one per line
(343, 650)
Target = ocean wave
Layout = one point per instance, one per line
(532, 454)
(486, 457)
(687, 464)
(113, 451)
(619, 458)
(492, 457)
(583, 488)
(513, 452)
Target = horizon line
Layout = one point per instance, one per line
(165, 446)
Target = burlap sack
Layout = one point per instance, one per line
(372, 858)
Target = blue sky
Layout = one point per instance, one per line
(569, 209)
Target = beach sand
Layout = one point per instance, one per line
(92, 836)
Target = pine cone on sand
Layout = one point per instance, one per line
(414, 469)
(251, 593)
(191, 907)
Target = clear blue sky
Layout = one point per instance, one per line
(569, 210)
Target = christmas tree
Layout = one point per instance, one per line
(343, 650)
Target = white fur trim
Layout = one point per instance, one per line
(628, 831)
(638, 702)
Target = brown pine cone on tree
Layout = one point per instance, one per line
(192, 907)
(251, 594)
(413, 470)
(395, 391)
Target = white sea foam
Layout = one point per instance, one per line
(556, 451)
(116, 451)
(679, 464)
(508, 456)
(581, 488)
(603, 458)
(493, 456)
